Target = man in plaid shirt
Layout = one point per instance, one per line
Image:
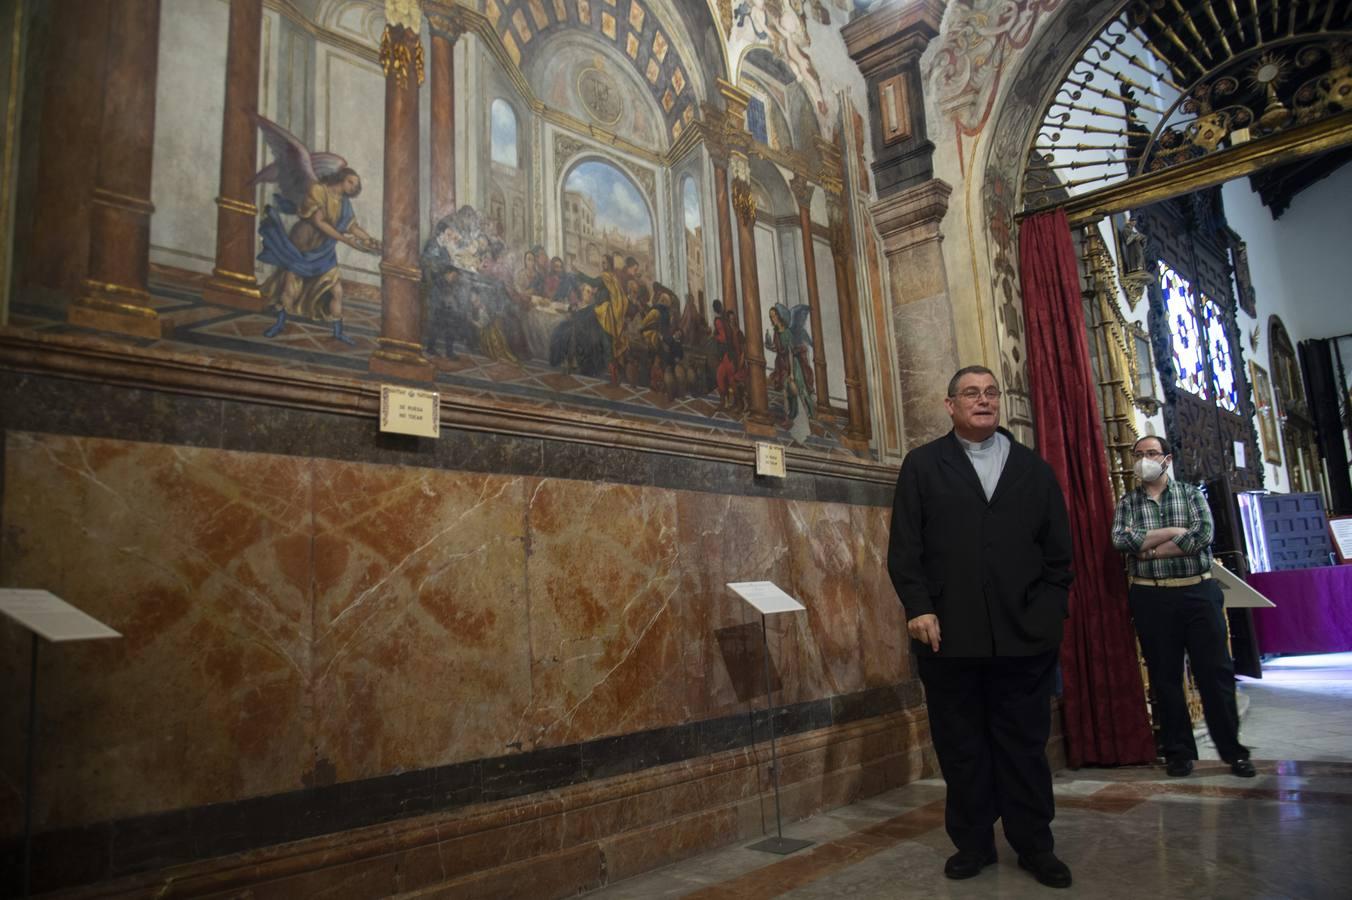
(1164, 527)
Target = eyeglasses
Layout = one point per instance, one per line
(1148, 454)
(971, 395)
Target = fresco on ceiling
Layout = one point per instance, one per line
(571, 258)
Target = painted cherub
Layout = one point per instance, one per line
(316, 188)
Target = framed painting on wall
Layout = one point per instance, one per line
(1267, 413)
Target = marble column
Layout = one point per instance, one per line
(758, 399)
(400, 352)
(445, 33)
(922, 311)
(726, 261)
(114, 295)
(232, 281)
(802, 192)
(856, 404)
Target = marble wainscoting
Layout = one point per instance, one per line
(427, 674)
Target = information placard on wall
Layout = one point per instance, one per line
(410, 411)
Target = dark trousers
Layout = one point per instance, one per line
(1169, 621)
(990, 720)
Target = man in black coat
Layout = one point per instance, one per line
(980, 554)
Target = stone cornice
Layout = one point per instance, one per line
(911, 216)
(109, 362)
(893, 34)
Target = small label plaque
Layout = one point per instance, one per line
(770, 460)
(410, 411)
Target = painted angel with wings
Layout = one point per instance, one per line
(317, 189)
(791, 340)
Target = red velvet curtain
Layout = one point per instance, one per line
(1106, 721)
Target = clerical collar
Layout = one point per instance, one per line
(974, 445)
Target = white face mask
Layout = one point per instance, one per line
(1148, 470)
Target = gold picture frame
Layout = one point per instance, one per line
(1266, 411)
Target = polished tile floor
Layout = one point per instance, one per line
(1128, 833)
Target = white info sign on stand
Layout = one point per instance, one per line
(767, 599)
(1238, 593)
(46, 616)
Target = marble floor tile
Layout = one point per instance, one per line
(1127, 833)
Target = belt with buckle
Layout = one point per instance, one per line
(1183, 581)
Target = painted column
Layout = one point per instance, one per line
(445, 32)
(726, 262)
(232, 281)
(802, 192)
(744, 203)
(856, 428)
(114, 295)
(400, 352)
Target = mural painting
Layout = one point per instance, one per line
(559, 179)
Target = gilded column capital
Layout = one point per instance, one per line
(401, 53)
(450, 28)
(405, 13)
(803, 189)
(744, 202)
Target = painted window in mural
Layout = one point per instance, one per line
(504, 134)
(1218, 348)
(604, 215)
(755, 120)
(1181, 304)
(694, 240)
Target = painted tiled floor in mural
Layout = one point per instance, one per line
(310, 347)
(1126, 833)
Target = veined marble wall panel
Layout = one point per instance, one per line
(202, 560)
(419, 586)
(607, 615)
(189, 105)
(294, 622)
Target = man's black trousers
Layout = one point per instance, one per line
(1170, 620)
(990, 719)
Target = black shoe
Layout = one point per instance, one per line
(968, 863)
(1047, 869)
(1178, 767)
(1243, 768)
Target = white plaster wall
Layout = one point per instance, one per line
(829, 342)
(1300, 265)
(189, 106)
(350, 107)
(770, 274)
(791, 252)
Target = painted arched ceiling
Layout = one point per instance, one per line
(650, 45)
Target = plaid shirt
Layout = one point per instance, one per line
(1180, 506)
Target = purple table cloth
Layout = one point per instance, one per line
(1313, 614)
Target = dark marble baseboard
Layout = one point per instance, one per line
(106, 850)
(52, 405)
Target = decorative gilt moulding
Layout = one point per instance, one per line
(108, 362)
(1238, 162)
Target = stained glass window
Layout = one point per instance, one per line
(1181, 304)
(1218, 348)
(755, 120)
